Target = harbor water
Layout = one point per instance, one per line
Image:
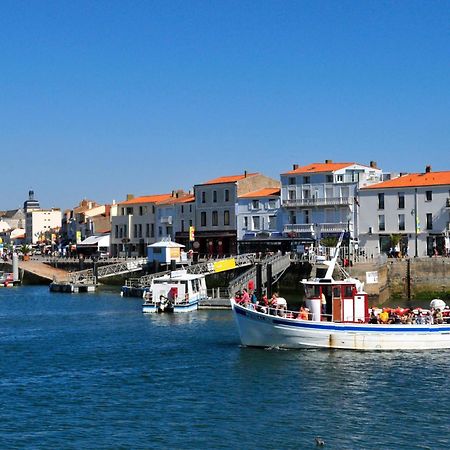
(91, 371)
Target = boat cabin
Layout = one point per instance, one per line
(336, 301)
(178, 287)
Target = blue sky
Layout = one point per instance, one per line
(100, 99)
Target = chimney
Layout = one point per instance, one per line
(294, 166)
(373, 164)
(173, 193)
(130, 196)
(245, 174)
(328, 161)
(427, 169)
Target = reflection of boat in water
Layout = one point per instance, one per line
(338, 318)
(175, 292)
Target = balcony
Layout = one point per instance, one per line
(166, 220)
(310, 228)
(309, 202)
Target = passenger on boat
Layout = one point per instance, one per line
(238, 297)
(281, 306)
(263, 304)
(245, 298)
(384, 316)
(323, 302)
(273, 304)
(303, 314)
(254, 299)
(373, 318)
(438, 318)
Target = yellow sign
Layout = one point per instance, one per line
(191, 234)
(78, 235)
(175, 253)
(226, 264)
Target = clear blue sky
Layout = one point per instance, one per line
(99, 99)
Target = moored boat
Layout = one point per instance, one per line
(338, 317)
(174, 293)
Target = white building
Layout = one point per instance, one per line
(216, 203)
(41, 224)
(258, 220)
(319, 200)
(415, 207)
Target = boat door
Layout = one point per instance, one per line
(337, 304)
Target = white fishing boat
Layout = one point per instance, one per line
(338, 317)
(175, 292)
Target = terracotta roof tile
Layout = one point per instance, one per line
(319, 167)
(415, 180)
(147, 199)
(266, 192)
(176, 200)
(230, 178)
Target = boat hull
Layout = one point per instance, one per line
(262, 330)
(179, 308)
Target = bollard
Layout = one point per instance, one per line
(15, 264)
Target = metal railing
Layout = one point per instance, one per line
(330, 201)
(279, 264)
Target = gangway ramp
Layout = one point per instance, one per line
(110, 270)
(206, 268)
(280, 264)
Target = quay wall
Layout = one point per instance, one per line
(428, 278)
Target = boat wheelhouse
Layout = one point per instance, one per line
(175, 292)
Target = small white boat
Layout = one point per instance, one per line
(338, 318)
(175, 292)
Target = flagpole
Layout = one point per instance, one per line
(415, 222)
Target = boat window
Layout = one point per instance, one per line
(308, 291)
(317, 291)
(348, 291)
(337, 292)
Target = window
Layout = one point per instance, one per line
(140, 210)
(306, 216)
(339, 178)
(140, 230)
(190, 222)
(203, 219)
(291, 194)
(121, 233)
(123, 211)
(306, 180)
(182, 209)
(226, 217)
(135, 231)
(116, 232)
(291, 180)
(152, 234)
(245, 222)
(160, 231)
(153, 209)
(329, 178)
(380, 201)
(227, 195)
(215, 219)
(255, 204)
(272, 222)
(306, 193)
(182, 225)
(215, 196)
(147, 230)
(129, 211)
(255, 220)
(429, 220)
(190, 208)
(125, 231)
(401, 200)
(203, 197)
(429, 195)
(292, 217)
(401, 222)
(381, 224)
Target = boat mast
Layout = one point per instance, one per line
(331, 264)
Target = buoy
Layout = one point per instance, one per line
(319, 442)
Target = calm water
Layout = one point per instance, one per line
(91, 371)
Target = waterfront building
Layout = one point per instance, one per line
(216, 203)
(42, 224)
(320, 200)
(408, 215)
(167, 210)
(258, 221)
(141, 221)
(12, 219)
(184, 219)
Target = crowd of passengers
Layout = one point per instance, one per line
(277, 306)
(409, 316)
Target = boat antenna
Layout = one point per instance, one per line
(332, 263)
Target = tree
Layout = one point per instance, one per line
(329, 241)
